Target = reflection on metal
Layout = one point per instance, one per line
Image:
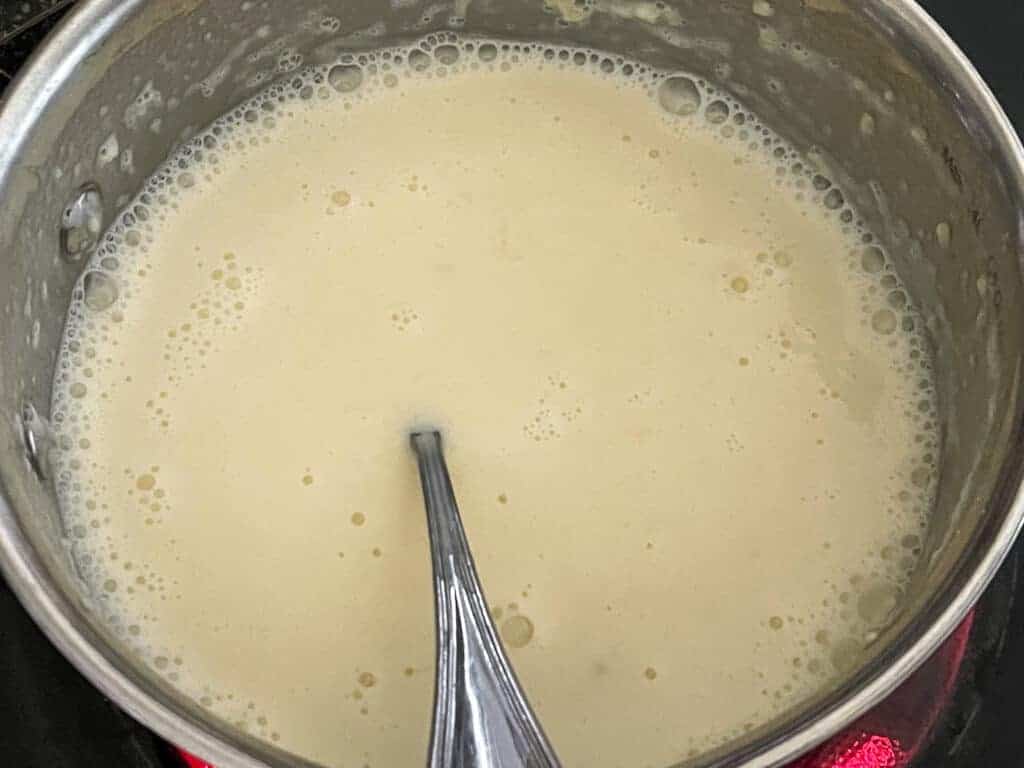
(481, 716)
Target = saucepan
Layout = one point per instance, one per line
(872, 91)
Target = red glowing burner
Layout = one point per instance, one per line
(892, 734)
(193, 762)
(867, 751)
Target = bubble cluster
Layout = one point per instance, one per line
(405, 319)
(556, 410)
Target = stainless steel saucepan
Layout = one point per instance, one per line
(871, 90)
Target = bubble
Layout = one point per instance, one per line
(897, 299)
(740, 284)
(834, 200)
(846, 655)
(679, 95)
(446, 54)
(517, 631)
(717, 112)
(876, 603)
(872, 259)
(367, 679)
(345, 78)
(100, 291)
(81, 222)
(418, 60)
(884, 321)
(487, 52)
(867, 124)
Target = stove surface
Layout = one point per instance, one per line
(965, 702)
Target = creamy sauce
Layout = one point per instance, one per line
(687, 411)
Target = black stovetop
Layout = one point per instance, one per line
(50, 717)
